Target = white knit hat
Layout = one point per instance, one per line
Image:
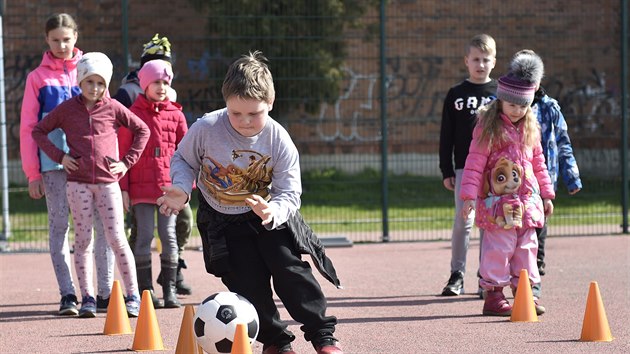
(95, 63)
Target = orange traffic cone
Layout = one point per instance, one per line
(241, 340)
(117, 321)
(524, 309)
(595, 326)
(187, 342)
(147, 335)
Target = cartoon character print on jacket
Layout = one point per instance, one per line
(247, 173)
(501, 185)
(535, 183)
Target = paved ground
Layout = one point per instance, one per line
(389, 303)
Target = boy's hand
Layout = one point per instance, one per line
(548, 205)
(69, 163)
(469, 205)
(36, 189)
(449, 183)
(173, 200)
(261, 208)
(572, 192)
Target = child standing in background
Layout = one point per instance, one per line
(158, 48)
(252, 231)
(556, 144)
(52, 82)
(91, 123)
(458, 120)
(507, 134)
(141, 185)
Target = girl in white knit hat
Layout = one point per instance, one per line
(91, 121)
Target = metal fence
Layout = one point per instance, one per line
(369, 150)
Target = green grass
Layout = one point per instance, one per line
(334, 202)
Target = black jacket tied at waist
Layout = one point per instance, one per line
(215, 252)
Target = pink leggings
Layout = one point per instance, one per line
(107, 201)
(504, 253)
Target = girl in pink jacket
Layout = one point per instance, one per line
(506, 182)
(51, 83)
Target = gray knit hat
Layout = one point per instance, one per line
(526, 65)
(515, 90)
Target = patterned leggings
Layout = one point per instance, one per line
(83, 198)
(58, 213)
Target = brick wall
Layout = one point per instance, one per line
(578, 40)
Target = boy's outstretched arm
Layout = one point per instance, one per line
(173, 200)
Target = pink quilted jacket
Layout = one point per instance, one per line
(535, 186)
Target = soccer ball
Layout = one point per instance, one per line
(216, 319)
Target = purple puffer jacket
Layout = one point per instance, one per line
(535, 182)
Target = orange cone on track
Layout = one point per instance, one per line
(117, 321)
(187, 342)
(241, 340)
(595, 326)
(148, 336)
(524, 309)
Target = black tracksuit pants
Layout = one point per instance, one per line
(256, 257)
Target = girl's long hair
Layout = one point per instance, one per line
(493, 132)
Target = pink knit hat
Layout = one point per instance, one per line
(514, 90)
(155, 70)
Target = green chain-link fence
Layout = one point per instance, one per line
(331, 68)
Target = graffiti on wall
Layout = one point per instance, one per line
(409, 94)
(15, 72)
(590, 104)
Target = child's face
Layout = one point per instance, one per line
(247, 116)
(92, 88)
(61, 42)
(514, 111)
(480, 65)
(157, 91)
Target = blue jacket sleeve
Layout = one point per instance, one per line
(567, 165)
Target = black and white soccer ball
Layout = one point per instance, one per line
(216, 319)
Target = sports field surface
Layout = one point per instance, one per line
(389, 304)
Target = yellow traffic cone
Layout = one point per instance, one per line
(148, 336)
(595, 326)
(241, 340)
(187, 342)
(158, 245)
(117, 321)
(524, 309)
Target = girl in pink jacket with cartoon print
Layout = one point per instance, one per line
(506, 150)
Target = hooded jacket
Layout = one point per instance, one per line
(167, 126)
(556, 143)
(535, 185)
(51, 83)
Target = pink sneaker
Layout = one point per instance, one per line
(495, 303)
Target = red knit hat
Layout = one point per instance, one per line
(514, 90)
(155, 70)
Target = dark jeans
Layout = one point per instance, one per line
(257, 255)
(542, 236)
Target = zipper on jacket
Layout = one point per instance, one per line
(68, 93)
(93, 148)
